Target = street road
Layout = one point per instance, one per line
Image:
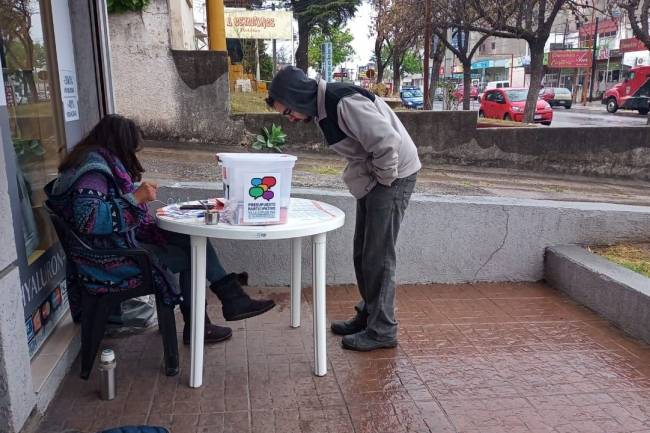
(584, 116)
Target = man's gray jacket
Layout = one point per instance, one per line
(366, 131)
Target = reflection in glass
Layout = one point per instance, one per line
(23, 53)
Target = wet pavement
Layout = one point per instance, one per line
(591, 115)
(472, 358)
(168, 163)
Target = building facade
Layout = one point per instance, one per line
(55, 86)
(568, 58)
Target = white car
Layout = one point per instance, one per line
(494, 85)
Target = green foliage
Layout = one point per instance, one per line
(412, 63)
(341, 46)
(266, 62)
(28, 147)
(272, 140)
(326, 14)
(449, 101)
(18, 59)
(116, 6)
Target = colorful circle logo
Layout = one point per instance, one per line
(261, 187)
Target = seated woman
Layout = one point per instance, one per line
(95, 194)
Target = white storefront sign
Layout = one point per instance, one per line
(637, 58)
(244, 24)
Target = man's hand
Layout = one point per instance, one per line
(146, 192)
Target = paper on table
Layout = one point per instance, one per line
(309, 210)
(174, 211)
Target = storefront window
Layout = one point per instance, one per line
(31, 116)
(32, 157)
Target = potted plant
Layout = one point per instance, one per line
(270, 140)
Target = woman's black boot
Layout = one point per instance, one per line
(236, 304)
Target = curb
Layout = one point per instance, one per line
(616, 293)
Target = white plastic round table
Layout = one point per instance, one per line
(306, 218)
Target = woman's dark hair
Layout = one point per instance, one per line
(116, 133)
(269, 101)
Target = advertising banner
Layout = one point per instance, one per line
(244, 24)
(631, 44)
(570, 59)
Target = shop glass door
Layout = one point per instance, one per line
(28, 62)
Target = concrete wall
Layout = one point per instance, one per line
(445, 239)
(181, 25)
(172, 94)
(452, 138)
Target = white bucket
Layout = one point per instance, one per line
(257, 187)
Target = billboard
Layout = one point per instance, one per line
(631, 44)
(244, 24)
(570, 59)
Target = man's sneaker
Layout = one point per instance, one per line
(362, 342)
(348, 327)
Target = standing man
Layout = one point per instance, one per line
(382, 168)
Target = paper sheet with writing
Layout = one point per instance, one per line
(308, 210)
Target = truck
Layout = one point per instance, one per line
(631, 94)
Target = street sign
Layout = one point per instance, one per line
(326, 60)
(458, 38)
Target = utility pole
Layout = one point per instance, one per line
(275, 53)
(593, 62)
(427, 53)
(257, 60)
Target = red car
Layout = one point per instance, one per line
(473, 93)
(508, 104)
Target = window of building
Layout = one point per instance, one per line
(37, 139)
(28, 90)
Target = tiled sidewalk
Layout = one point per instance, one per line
(484, 358)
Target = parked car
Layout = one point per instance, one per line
(459, 92)
(557, 96)
(632, 94)
(412, 97)
(509, 104)
(493, 85)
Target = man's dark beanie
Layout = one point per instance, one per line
(293, 89)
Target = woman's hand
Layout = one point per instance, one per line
(146, 192)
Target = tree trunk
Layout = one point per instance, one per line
(536, 75)
(397, 76)
(379, 43)
(380, 72)
(467, 85)
(302, 52)
(438, 57)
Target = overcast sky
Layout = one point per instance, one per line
(359, 26)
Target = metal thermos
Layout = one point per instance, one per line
(211, 217)
(107, 383)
